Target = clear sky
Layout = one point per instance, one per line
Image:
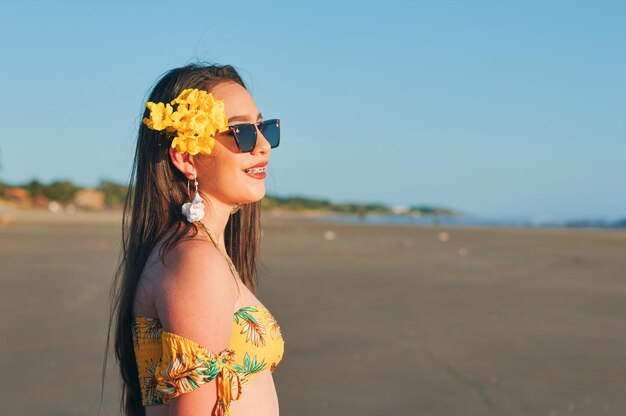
(489, 107)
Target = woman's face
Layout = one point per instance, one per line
(221, 173)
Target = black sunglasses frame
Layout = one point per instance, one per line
(269, 128)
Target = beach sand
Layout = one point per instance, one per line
(377, 320)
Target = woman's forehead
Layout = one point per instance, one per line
(237, 100)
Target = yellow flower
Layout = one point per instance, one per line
(160, 116)
(196, 120)
(183, 97)
(180, 144)
(199, 122)
(205, 144)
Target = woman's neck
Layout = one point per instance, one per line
(216, 216)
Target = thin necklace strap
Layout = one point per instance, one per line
(233, 269)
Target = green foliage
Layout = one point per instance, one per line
(63, 191)
(296, 203)
(361, 209)
(34, 188)
(114, 194)
(300, 203)
(431, 210)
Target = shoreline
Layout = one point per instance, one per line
(18, 217)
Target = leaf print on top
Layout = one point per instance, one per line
(149, 384)
(153, 330)
(185, 373)
(273, 325)
(250, 366)
(244, 314)
(253, 329)
(136, 331)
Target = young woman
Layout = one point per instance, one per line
(191, 337)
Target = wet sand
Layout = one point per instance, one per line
(377, 320)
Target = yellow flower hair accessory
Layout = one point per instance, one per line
(197, 118)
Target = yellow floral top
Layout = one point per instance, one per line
(170, 365)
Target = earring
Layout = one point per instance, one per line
(194, 210)
(236, 208)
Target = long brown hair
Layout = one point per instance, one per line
(152, 208)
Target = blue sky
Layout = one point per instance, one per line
(493, 108)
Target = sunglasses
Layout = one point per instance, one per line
(246, 133)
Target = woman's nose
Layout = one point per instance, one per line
(262, 145)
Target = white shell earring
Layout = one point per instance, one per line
(194, 210)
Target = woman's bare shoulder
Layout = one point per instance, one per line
(192, 271)
(196, 293)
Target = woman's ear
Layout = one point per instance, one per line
(184, 162)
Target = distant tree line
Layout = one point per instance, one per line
(302, 203)
(65, 191)
(114, 195)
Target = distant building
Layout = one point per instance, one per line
(89, 199)
(400, 209)
(41, 201)
(19, 195)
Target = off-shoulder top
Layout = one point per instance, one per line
(170, 365)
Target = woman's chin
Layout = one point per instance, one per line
(252, 196)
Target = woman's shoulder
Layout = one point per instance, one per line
(195, 294)
(192, 269)
(175, 259)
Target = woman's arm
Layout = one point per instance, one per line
(195, 299)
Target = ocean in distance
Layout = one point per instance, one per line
(464, 221)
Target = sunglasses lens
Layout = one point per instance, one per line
(271, 131)
(246, 136)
